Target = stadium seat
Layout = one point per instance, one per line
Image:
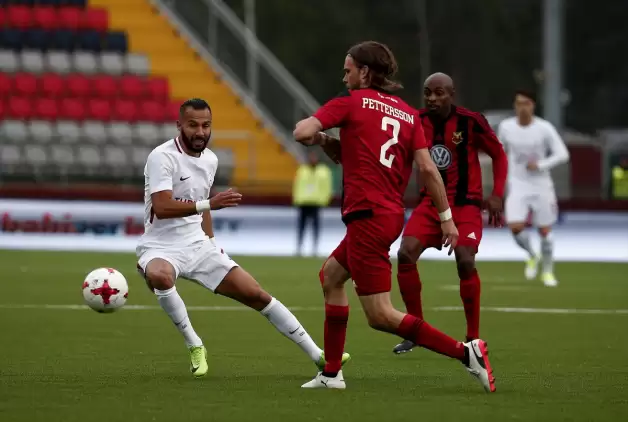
(32, 61)
(158, 89)
(139, 155)
(69, 17)
(78, 85)
(38, 39)
(168, 130)
(120, 133)
(19, 17)
(62, 39)
(45, 109)
(75, 3)
(116, 41)
(35, 155)
(124, 111)
(52, 85)
(89, 41)
(132, 87)
(3, 15)
(19, 108)
(3, 109)
(171, 110)
(98, 109)
(11, 38)
(10, 156)
(58, 62)
(136, 64)
(94, 132)
(13, 131)
(116, 158)
(111, 63)
(151, 111)
(67, 132)
(40, 131)
(62, 156)
(73, 109)
(45, 17)
(5, 85)
(24, 84)
(95, 19)
(105, 86)
(89, 157)
(147, 133)
(84, 62)
(8, 61)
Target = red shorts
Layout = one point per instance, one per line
(424, 224)
(365, 252)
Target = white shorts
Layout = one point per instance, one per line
(542, 205)
(202, 262)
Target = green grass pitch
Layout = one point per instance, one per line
(76, 365)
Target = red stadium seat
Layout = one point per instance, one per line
(98, 109)
(132, 86)
(69, 17)
(72, 109)
(19, 108)
(3, 109)
(25, 84)
(95, 18)
(45, 109)
(19, 17)
(5, 85)
(45, 17)
(172, 110)
(124, 111)
(157, 88)
(3, 17)
(78, 85)
(52, 85)
(105, 86)
(152, 111)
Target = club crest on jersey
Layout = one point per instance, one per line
(441, 156)
(456, 137)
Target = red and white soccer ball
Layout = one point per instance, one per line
(105, 290)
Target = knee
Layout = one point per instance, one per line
(545, 231)
(381, 320)
(408, 254)
(160, 279)
(332, 275)
(466, 268)
(517, 228)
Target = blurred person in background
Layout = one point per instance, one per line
(311, 191)
(534, 147)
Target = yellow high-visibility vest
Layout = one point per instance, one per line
(312, 186)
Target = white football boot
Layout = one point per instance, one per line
(532, 268)
(321, 381)
(549, 280)
(479, 366)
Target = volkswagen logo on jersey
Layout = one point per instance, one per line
(441, 156)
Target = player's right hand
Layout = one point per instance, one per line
(450, 235)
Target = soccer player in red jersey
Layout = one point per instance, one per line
(381, 138)
(455, 136)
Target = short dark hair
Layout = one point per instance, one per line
(380, 61)
(526, 93)
(196, 104)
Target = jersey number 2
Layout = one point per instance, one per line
(387, 121)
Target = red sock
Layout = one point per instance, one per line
(423, 334)
(410, 287)
(336, 318)
(470, 295)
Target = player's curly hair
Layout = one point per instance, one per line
(380, 61)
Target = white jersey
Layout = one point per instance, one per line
(540, 142)
(190, 179)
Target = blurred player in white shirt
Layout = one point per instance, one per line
(179, 240)
(534, 147)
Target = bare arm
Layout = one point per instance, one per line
(207, 224)
(164, 206)
(305, 130)
(431, 179)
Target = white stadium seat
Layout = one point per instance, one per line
(32, 61)
(67, 132)
(13, 131)
(111, 63)
(8, 61)
(94, 132)
(58, 62)
(40, 131)
(120, 133)
(137, 64)
(84, 62)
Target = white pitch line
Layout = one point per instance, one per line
(319, 309)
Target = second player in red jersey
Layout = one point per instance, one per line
(381, 138)
(455, 136)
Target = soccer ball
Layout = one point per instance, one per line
(105, 290)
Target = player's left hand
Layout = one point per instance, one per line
(331, 147)
(495, 208)
(226, 199)
(532, 166)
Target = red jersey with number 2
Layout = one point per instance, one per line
(379, 133)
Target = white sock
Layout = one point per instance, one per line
(288, 325)
(523, 240)
(547, 253)
(172, 303)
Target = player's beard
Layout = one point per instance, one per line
(195, 143)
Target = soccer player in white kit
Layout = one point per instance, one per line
(179, 241)
(534, 147)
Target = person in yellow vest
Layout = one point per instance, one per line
(620, 180)
(311, 191)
